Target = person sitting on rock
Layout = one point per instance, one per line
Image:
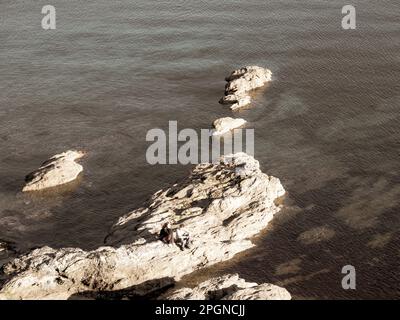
(182, 238)
(166, 234)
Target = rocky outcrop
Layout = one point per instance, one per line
(230, 287)
(223, 205)
(58, 170)
(224, 125)
(240, 82)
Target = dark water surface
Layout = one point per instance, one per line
(327, 126)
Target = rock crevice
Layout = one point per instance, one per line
(224, 125)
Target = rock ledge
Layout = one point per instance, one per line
(223, 205)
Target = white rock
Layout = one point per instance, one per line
(240, 82)
(247, 78)
(221, 209)
(224, 125)
(242, 101)
(230, 287)
(59, 169)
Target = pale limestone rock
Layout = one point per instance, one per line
(230, 287)
(224, 125)
(58, 170)
(240, 82)
(241, 101)
(221, 208)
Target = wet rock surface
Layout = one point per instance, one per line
(224, 125)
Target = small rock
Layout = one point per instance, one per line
(242, 81)
(224, 125)
(230, 287)
(59, 169)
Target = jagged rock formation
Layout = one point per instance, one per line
(230, 287)
(59, 169)
(224, 125)
(223, 205)
(240, 82)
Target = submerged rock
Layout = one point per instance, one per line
(58, 170)
(224, 125)
(223, 205)
(240, 82)
(230, 287)
(6, 246)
